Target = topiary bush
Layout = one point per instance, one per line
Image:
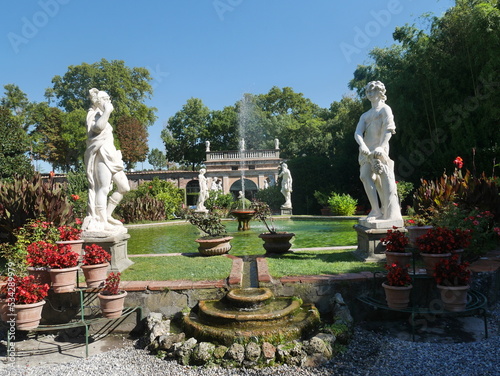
(342, 204)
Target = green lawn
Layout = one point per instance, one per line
(318, 262)
(170, 268)
(199, 268)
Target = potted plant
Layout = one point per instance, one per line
(435, 245)
(63, 265)
(395, 243)
(37, 259)
(453, 278)
(216, 242)
(416, 225)
(322, 199)
(397, 287)
(69, 235)
(24, 299)
(112, 299)
(274, 241)
(438, 243)
(95, 265)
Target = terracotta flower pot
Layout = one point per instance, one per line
(278, 242)
(215, 246)
(397, 297)
(431, 260)
(112, 305)
(28, 316)
(76, 245)
(63, 280)
(454, 298)
(399, 258)
(95, 274)
(415, 232)
(41, 275)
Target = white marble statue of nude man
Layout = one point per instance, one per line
(373, 132)
(104, 166)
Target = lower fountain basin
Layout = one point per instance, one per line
(302, 323)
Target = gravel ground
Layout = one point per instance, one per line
(369, 353)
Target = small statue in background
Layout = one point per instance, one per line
(200, 206)
(286, 186)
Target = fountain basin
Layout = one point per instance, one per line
(243, 216)
(269, 319)
(302, 323)
(249, 298)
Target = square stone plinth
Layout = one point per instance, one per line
(286, 211)
(369, 246)
(116, 245)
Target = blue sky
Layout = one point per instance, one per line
(215, 50)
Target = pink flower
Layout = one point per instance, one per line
(459, 162)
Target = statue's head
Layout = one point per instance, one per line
(98, 97)
(375, 88)
(202, 171)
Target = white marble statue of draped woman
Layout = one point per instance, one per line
(104, 166)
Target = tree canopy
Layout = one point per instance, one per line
(442, 85)
(127, 87)
(14, 147)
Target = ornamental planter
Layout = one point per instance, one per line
(76, 245)
(63, 280)
(415, 232)
(41, 275)
(397, 297)
(278, 242)
(214, 246)
(95, 274)
(28, 316)
(112, 305)
(431, 259)
(454, 298)
(399, 258)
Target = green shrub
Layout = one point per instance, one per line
(342, 204)
(218, 200)
(162, 190)
(271, 196)
(135, 209)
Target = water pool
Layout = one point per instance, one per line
(180, 237)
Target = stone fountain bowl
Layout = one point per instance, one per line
(249, 298)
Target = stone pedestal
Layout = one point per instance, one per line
(286, 211)
(369, 247)
(116, 245)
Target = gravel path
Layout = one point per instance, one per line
(368, 354)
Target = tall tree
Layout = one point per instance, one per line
(59, 137)
(157, 159)
(442, 84)
(14, 147)
(186, 133)
(127, 87)
(133, 138)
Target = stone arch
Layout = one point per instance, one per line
(250, 188)
(192, 192)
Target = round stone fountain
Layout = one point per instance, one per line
(251, 314)
(243, 216)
